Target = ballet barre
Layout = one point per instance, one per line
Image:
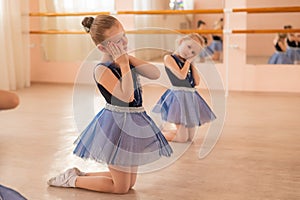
(254, 31)
(172, 12)
(226, 31)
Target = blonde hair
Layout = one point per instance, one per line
(97, 26)
(194, 36)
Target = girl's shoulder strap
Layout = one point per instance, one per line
(178, 61)
(109, 65)
(174, 56)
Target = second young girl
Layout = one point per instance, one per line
(182, 104)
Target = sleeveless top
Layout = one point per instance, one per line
(136, 102)
(291, 43)
(187, 82)
(215, 37)
(277, 47)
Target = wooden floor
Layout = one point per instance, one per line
(256, 157)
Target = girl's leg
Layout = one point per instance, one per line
(120, 181)
(216, 56)
(169, 130)
(182, 134)
(108, 174)
(8, 100)
(192, 131)
(170, 135)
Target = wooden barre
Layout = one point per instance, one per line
(254, 31)
(264, 31)
(146, 12)
(268, 10)
(51, 32)
(169, 12)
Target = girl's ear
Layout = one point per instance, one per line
(179, 41)
(101, 48)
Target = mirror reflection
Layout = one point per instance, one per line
(213, 42)
(274, 48)
(287, 48)
(61, 47)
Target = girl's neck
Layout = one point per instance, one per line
(106, 58)
(180, 58)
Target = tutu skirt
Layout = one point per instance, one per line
(280, 58)
(216, 45)
(122, 136)
(8, 193)
(207, 51)
(294, 54)
(183, 106)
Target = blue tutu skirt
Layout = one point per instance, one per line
(122, 136)
(216, 45)
(293, 54)
(8, 193)
(207, 51)
(280, 58)
(184, 106)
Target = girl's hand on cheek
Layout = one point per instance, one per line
(117, 52)
(191, 59)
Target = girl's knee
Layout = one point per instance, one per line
(8, 100)
(121, 190)
(182, 135)
(124, 189)
(14, 101)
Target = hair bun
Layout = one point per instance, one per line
(87, 23)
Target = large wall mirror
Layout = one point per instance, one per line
(61, 47)
(162, 43)
(262, 48)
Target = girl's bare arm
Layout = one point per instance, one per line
(144, 68)
(172, 65)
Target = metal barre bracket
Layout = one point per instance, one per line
(228, 10)
(227, 31)
(113, 12)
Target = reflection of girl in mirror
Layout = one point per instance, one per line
(207, 52)
(293, 45)
(182, 104)
(280, 56)
(217, 42)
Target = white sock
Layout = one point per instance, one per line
(72, 181)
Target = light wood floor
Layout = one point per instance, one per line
(257, 156)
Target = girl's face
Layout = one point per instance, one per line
(188, 48)
(116, 34)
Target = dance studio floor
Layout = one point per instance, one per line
(256, 157)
